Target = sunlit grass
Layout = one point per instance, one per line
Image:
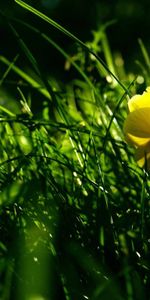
(74, 205)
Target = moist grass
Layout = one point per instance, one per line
(74, 205)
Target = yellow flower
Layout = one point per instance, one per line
(137, 126)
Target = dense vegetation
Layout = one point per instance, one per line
(74, 205)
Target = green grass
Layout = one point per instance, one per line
(74, 206)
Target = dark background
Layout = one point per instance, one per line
(80, 17)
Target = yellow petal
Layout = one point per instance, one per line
(137, 126)
(143, 155)
(140, 101)
(148, 89)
